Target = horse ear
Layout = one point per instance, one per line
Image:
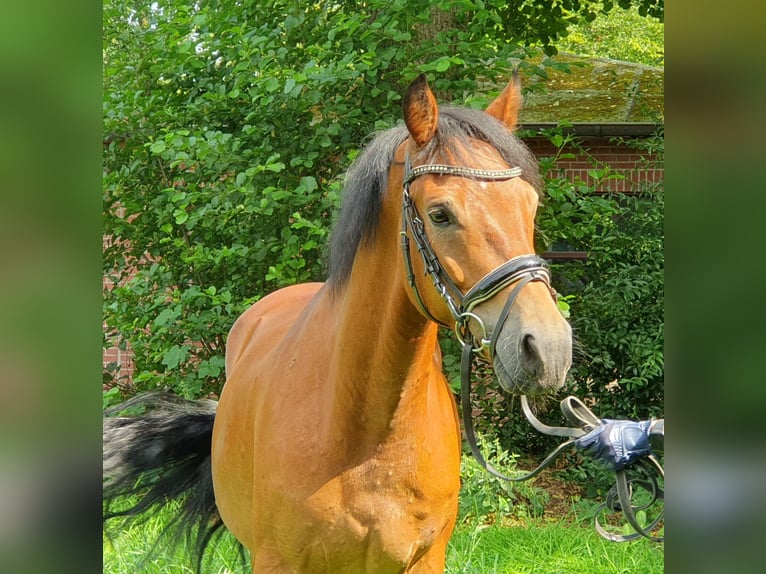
(507, 105)
(421, 114)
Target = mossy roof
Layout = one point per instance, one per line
(595, 90)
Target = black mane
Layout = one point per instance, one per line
(367, 179)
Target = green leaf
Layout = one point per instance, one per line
(158, 147)
(211, 367)
(275, 167)
(289, 85)
(166, 316)
(443, 65)
(174, 356)
(309, 182)
(270, 84)
(111, 397)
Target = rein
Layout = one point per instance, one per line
(599, 436)
(589, 430)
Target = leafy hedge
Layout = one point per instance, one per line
(227, 128)
(615, 298)
(616, 295)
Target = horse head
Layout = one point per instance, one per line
(471, 191)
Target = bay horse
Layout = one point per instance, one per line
(335, 446)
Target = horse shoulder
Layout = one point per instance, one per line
(279, 308)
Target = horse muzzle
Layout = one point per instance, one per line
(533, 362)
(531, 343)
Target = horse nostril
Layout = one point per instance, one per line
(530, 357)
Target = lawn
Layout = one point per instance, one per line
(537, 548)
(553, 548)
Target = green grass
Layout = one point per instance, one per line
(554, 548)
(528, 534)
(132, 550)
(538, 548)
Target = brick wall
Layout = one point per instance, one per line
(628, 161)
(121, 361)
(117, 360)
(635, 165)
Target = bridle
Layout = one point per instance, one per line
(518, 271)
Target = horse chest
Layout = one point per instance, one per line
(378, 517)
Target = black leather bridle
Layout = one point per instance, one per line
(518, 271)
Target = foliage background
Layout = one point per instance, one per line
(622, 34)
(228, 125)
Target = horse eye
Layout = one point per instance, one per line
(439, 216)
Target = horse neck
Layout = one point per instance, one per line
(385, 349)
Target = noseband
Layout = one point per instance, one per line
(520, 270)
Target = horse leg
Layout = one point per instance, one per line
(267, 561)
(432, 561)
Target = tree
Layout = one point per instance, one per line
(620, 35)
(228, 124)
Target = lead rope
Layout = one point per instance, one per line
(619, 498)
(465, 404)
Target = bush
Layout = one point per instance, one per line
(616, 294)
(227, 126)
(485, 499)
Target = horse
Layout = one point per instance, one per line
(335, 445)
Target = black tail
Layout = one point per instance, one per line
(157, 449)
